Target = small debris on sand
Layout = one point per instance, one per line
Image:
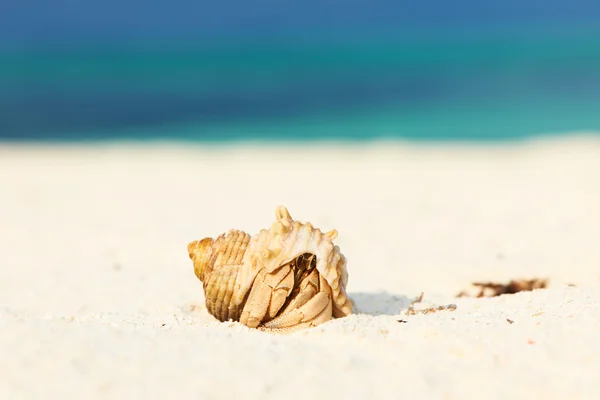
(491, 289)
(412, 311)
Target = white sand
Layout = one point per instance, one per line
(97, 291)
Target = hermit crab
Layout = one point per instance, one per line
(288, 277)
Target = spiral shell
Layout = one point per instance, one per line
(287, 277)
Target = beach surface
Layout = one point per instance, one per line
(98, 298)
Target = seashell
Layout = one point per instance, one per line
(287, 277)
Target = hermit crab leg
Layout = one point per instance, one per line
(257, 303)
(324, 316)
(281, 284)
(313, 308)
(308, 288)
(268, 294)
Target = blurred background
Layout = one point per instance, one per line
(281, 70)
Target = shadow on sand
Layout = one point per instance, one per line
(379, 303)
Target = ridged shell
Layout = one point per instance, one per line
(232, 264)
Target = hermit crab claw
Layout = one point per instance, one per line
(288, 277)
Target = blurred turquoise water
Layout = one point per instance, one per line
(472, 87)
